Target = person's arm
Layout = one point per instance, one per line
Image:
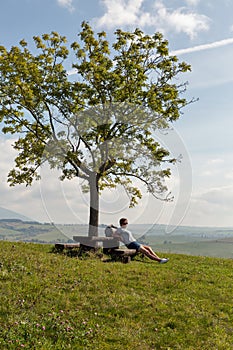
(113, 226)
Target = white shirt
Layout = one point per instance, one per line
(126, 235)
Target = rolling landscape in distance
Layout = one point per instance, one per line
(191, 240)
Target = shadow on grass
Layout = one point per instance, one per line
(98, 254)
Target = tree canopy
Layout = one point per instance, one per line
(99, 122)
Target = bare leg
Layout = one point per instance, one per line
(151, 251)
(150, 255)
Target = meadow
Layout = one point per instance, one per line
(192, 245)
(53, 301)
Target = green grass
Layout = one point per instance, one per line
(52, 301)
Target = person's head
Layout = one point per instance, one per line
(123, 222)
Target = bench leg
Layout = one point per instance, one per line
(126, 259)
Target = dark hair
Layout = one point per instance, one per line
(122, 221)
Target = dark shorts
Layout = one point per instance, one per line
(134, 245)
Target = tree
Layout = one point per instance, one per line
(97, 124)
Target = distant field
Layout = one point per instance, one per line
(214, 242)
(193, 245)
(30, 232)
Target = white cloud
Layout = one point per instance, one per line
(213, 167)
(21, 199)
(212, 197)
(209, 69)
(46, 200)
(120, 12)
(213, 45)
(211, 207)
(192, 2)
(67, 4)
(221, 196)
(132, 13)
(181, 20)
(215, 161)
(7, 156)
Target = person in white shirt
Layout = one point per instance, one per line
(126, 237)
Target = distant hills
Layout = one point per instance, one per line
(204, 241)
(9, 214)
(13, 229)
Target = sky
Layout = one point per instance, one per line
(200, 33)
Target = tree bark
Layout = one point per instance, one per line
(94, 206)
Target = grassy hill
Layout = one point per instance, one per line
(51, 301)
(9, 214)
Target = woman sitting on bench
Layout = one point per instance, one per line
(126, 237)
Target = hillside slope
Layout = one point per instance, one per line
(30, 231)
(9, 214)
(52, 301)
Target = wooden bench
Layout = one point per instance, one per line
(62, 246)
(110, 247)
(120, 254)
(96, 242)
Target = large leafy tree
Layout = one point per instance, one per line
(99, 123)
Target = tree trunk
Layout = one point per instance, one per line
(94, 206)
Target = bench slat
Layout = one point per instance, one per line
(93, 239)
(61, 246)
(107, 242)
(125, 252)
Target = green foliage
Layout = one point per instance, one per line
(101, 122)
(51, 301)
